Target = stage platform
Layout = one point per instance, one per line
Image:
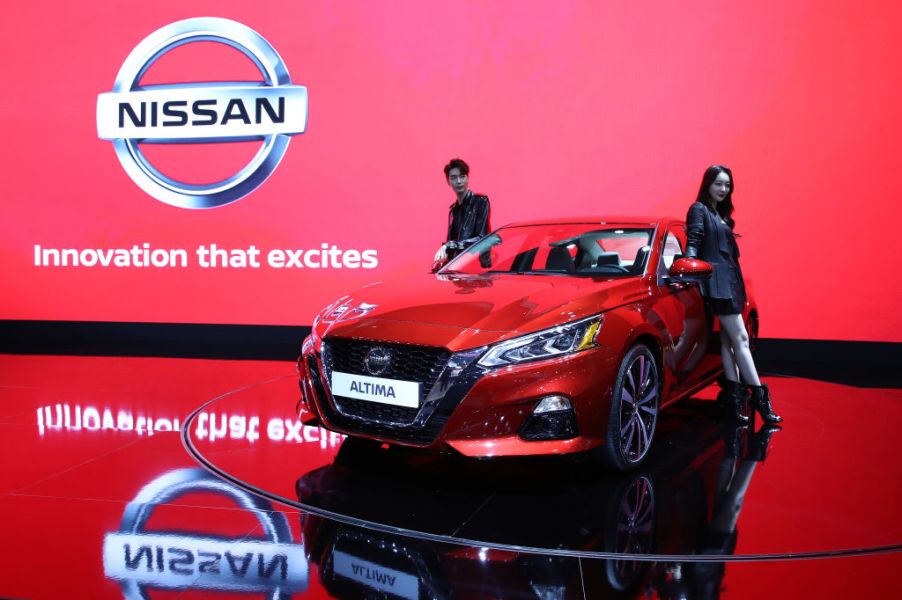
(153, 477)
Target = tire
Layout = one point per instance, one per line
(631, 532)
(631, 425)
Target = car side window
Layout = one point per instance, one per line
(673, 247)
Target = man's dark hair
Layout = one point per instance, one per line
(456, 163)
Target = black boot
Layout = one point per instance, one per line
(724, 395)
(733, 436)
(761, 403)
(759, 442)
(735, 402)
(725, 392)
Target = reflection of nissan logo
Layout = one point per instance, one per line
(377, 360)
(141, 558)
(271, 111)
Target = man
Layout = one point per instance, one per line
(468, 216)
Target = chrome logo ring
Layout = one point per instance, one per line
(179, 547)
(377, 360)
(270, 111)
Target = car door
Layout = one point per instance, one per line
(678, 311)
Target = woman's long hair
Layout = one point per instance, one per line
(725, 207)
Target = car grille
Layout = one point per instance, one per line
(409, 363)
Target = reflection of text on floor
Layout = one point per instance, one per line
(208, 426)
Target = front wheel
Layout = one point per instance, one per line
(634, 410)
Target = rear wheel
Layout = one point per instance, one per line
(634, 410)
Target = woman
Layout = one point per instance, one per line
(710, 238)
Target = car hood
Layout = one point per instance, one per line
(466, 311)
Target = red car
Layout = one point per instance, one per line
(544, 337)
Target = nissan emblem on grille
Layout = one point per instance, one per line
(377, 360)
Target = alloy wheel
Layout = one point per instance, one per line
(634, 533)
(638, 406)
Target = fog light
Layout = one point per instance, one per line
(551, 404)
(551, 419)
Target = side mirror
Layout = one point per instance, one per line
(690, 270)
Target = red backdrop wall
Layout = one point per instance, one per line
(587, 108)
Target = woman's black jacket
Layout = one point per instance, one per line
(712, 240)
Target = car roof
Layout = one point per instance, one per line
(642, 221)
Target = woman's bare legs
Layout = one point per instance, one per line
(735, 330)
(738, 338)
(726, 355)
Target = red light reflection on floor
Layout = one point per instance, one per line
(84, 437)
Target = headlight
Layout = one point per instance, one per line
(565, 339)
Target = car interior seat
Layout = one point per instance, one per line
(591, 256)
(639, 261)
(523, 261)
(608, 258)
(559, 260)
(587, 254)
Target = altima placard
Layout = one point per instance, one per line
(376, 389)
(384, 579)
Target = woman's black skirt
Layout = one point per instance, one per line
(735, 304)
(726, 306)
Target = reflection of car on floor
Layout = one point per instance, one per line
(683, 504)
(542, 338)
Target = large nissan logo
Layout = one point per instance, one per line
(377, 360)
(141, 559)
(186, 113)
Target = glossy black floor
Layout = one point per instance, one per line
(703, 474)
(101, 498)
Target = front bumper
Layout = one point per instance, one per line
(482, 412)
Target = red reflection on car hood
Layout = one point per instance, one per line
(466, 311)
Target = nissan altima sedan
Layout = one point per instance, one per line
(546, 337)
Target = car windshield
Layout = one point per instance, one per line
(576, 249)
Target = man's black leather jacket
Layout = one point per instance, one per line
(468, 220)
